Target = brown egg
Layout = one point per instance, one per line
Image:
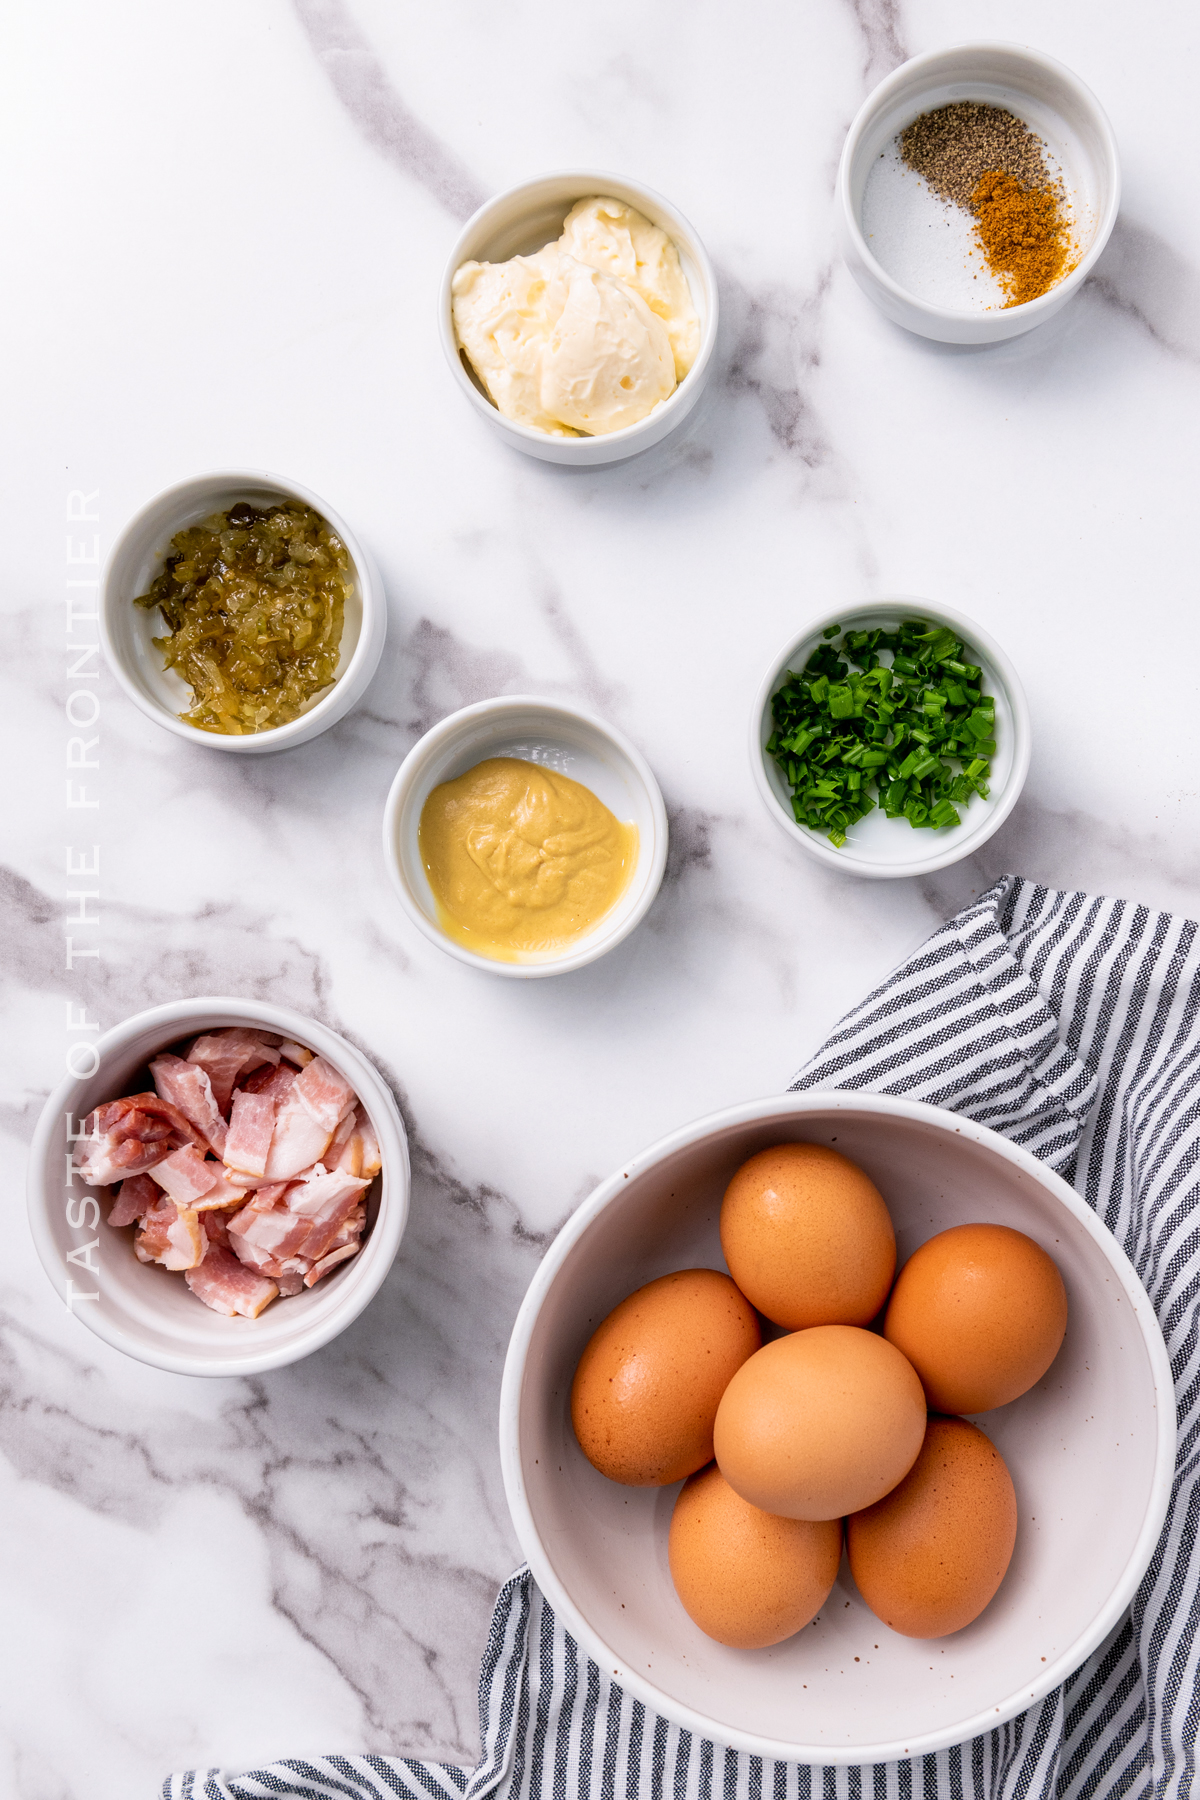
(929, 1556)
(807, 1237)
(820, 1423)
(648, 1385)
(746, 1577)
(980, 1312)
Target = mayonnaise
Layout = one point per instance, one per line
(586, 336)
(608, 235)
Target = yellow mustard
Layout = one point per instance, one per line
(522, 860)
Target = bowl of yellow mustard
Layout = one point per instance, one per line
(525, 837)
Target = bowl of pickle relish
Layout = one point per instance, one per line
(239, 609)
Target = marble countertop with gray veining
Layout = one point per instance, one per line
(225, 237)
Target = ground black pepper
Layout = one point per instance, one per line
(955, 146)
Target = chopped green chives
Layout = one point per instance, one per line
(919, 731)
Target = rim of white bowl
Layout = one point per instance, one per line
(596, 181)
(974, 636)
(369, 647)
(836, 1100)
(599, 942)
(1030, 309)
(175, 1018)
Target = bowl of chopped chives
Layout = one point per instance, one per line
(890, 738)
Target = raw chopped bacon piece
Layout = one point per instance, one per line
(228, 1286)
(350, 1228)
(350, 1158)
(135, 1197)
(335, 1197)
(372, 1160)
(295, 1053)
(251, 1123)
(227, 1196)
(259, 1237)
(216, 1228)
(289, 1284)
(329, 1262)
(277, 1081)
(262, 1199)
(128, 1136)
(325, 1094)
(298, 1141)
(171, 1236)
(186, 1175)
(224, 1055)
(313, 1198)
(339, 1144)
(187, 1086)
(118, 1118)
(313, 1213)
(320, 1240)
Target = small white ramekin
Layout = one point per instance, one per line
(877, 846)
(147, 1311)
(1053, 102)
(127, 631)
(524, 219)
(565, 739)
(1091, 1449)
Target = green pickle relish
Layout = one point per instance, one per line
(253, 599)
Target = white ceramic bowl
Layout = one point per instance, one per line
(1091, 1450)
(541, 731)
(149, 1312)
(878, 846)
(1039, 90)
(126, 630)
(524, 219)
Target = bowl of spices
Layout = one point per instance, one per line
(890, 738)
(239, 610)
(525, 837)
(977, 188)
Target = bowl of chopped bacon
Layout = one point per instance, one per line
(220, 1187)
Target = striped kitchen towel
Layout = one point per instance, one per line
(1072, 1025)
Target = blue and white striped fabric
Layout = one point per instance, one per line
(1072, 1025)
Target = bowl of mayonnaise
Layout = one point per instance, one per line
(578, 313)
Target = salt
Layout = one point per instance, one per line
(925, 244)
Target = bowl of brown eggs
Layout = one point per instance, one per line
(837, 1428)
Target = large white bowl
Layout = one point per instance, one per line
(562, 737)
(879, 847)
(147, 1311)
(1044, 93)
(1091, 1450)
(127, 631)
(524, 219)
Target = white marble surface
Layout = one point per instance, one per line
(223, 244)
